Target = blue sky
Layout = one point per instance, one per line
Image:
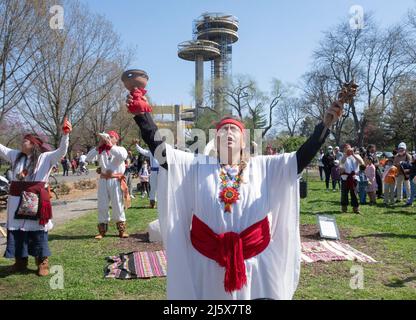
(277, 38)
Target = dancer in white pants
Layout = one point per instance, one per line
(112, 187)
(154, 167)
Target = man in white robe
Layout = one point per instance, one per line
(111, 159)
(189, 187)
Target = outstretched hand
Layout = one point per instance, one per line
(66, 126)
(333, 113)
(137, 103)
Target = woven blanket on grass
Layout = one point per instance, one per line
(135, 265)
(331, 251)
(150, 264)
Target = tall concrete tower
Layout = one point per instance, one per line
(212, 31)
(199, 51)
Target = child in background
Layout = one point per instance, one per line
(389, 179)
(370, 172)
(144, 179)
(336, 176)
(362, 184)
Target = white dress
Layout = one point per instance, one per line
(191, 186)
(43, 168)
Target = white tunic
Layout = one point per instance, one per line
(270, 189)
(351, 164)
(43, 168)
(114, 161)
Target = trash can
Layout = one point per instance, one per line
(303, 185)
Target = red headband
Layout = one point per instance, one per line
(114, 134)
(37, 141)
(223, 122)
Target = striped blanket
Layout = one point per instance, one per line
(331, 251)
(135, 265)
(150, 264)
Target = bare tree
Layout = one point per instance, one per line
(289, 114)
(245, 99)
(19, 23)
(79, 66)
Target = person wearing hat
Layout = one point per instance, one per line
(230, 223)
(29, 210)
(112, 186)
(402, 179)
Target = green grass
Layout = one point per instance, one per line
(388, 235)
(83, 259)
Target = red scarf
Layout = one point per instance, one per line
(230, 249)
(37, 187)
(104, 147)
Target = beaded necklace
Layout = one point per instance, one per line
(229, 188)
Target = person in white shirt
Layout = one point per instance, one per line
(154, 170)
(112, 187)
(29, 210)
(350, 166)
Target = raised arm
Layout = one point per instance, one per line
(148, 129)
(56, 155)
(91, 155)
(119, 153)
(7, 153)
(142, 151)
(308, 150)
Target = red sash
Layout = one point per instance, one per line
(351, 182)
(230, 249)
(38, 187)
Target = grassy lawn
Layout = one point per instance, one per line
(388, 235)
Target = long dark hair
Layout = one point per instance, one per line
(36, 152)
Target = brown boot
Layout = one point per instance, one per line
(344, 209)
(102, 230)
(121, 227)
(20, 265)
(356, 210)
(43, 266)
(152, 204)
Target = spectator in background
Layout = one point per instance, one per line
(372, 152)
(74, 165)
(338, 154)
(82, 162)
(402, 155)
(129, 174)
(65, 165)
(144, 175)
(350, 164)
(328, 162)
(362, 184)
(412, 178)
(336, 176)
(370, 172)
(320, 164)
(389, 179)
